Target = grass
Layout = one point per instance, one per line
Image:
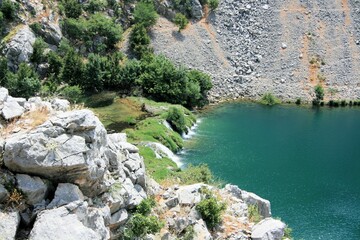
(159, 168)
(254, 214)
(269, 99)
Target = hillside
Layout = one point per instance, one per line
(282, 47)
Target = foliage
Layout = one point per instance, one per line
(145, 14)
(25, 83)
(319, 94)
(195, 174)
(72, 8)
(189, 233)
(298, 101)
(94, 74)
(213, 4)
(102, 99)
(144, 208)
(73, 68)
(3, 70)
(36, 27)
(287, 233)
(177, 120)
(95, 6)
(254, 213)
(269, 99)
(140, 41)
(38, 51)
(199, 85)
(2, 22)
(140, 225)
(55, 63)
(210, 209)
(9, 9)
(183, 6)
(72, 93)
(181, 21)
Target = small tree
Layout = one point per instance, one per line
(181, 21)
(213, 4)
(140, 41)
(177, 120)
(9, 9)
(38, 51)
(73, 68)
(72, 8)
(3, 70)
(145, 14)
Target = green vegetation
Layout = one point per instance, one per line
(213, 4)
(141, 223)
(176, 119)
(181, 21)
(72, 8)
(95, 6)
(210, 209)
(9, 9)
(38, 51)
(287, 233)
(254, 213)
(319, 94)
(195, 174)
(189, 234)
(269, 99)
(140, 41)
(145, 14)
(298, 101)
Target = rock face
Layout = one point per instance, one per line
(12, 109)
(34, 188)
(268, 229)
(19, 48)
(66, 193)
(8, 225)
(284, 47)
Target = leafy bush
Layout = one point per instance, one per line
(319, 94)
(36, 27)
(269, 99)
(144, 208)
(9, 9)
(72, 93)
(140, 41)
(254, 213)
(94, 73)
(72, 8)
(25, 83)
(195, 174)
(145, 14)
(55, 63)
(298, 101)
(140, 225)
(96, 6)
(3, 70)
(210, 209)
(213, 4)
(1, 22)
(177, 120)
(181, 21)
(38, 51)
(288, 233)
(183, 6)
(73, 68)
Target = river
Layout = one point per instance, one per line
(305, 161)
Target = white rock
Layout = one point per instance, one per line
(12, 110)
(201, 231)
(9, 223)
(66, 193)
(268, 229)
(118, 218)
(60, 104)
(34, 188)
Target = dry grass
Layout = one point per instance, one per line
(15, 201)
(27, 122)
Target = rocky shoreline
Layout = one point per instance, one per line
(64, 177)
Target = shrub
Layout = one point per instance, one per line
(183, 6)
(38, 51)
(177, 120)
(102, 99)
(288, 233)
(343, 103)
(3, 70)
(36, 27)
(145, 14)
(213, 4)
(55, 63)
(96, 6)
(319, 92)
(72, 8)
(1, 22)
(9, 9)
(73, 69)
(94, 74)
(189, 234)
(210, 209)
(72, 93)
(140, 225)
(194, 174)
(254, 214)
(140, 41)
(144, 208)
(269, 99)
(298, 101)
(181, 21)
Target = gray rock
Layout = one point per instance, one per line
(60, 104)
(152, 187)
(172, 202)
(67, 223)
(4, 194)
(4, 93)
(201, 231)
(128, 146)
(119, 218)
(190, 195)
(51, 32)
(34, 188)
(268, 229)
(12, 110)
(19, 48)
(67, 148)
(9, 224)
(66, 193)
(95, 219)
(196, 9)
(35, 103)
(20, 101)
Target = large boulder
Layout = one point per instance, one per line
(20, 47)
(70, 222)
(51, 32)
(34, 188)
(9, 223)
(66, 193)
(4, 93)
(67, 148)
(201, 232)
(60, 104)
(190, 195)
(196, 9)
(12, 109)
(268, 229)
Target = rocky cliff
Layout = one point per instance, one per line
(63, 177)
(283, 47)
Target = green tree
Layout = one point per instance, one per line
(94, 74)
(199, 85)
(213, 4)
(140, 41)
(3, 70)
(25, 83)
(145, 14)
(181, 21)
(73, 68)
(73, 8)
(55, 63)
(38, 51)
(176, 119)
(96, 6)
(140, 225)
(9, 9)
(319, 92)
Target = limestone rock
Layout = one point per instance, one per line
(60, 104)
(11, 110)
(196, 9)
(34, 188)
(19, 48)
(201, 231)
(66, 193)
(3, 193)
(189, 195)
(268, 229)
(4, 93)
(9, 223)
(65, 223)
(118, 218)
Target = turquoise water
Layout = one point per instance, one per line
(305, 161)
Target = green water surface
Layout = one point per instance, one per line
(305, 161)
